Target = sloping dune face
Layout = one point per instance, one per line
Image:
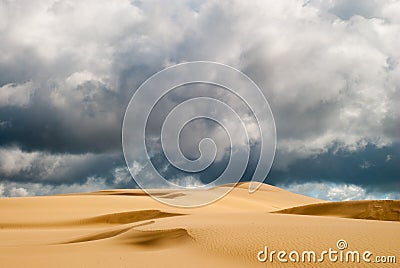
(127, 228)
(383, 210)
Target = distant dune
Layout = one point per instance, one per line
(127, 228)
(384, 210)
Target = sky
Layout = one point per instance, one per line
(329, 70)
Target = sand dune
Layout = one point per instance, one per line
(384, 210)
(106, 219)
(127, 228)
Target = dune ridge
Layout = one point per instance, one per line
(106, 219)
(132, 236)
(383, 210)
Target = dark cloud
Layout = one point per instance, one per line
(42, 167)
(372, 168)
(88, 119)
(68, 69)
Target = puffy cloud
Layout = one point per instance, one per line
(338, 192)
(18, 192)
(188, 182)
(343, 70)
(121, 176)
(16, 95)
(330, 70)
(17, 189)
(328, 80)
(36, 166)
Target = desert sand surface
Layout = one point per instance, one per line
(383, 210)
(127, 228)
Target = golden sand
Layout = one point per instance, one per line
(127, 228)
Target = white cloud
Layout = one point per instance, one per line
(346, 192)
(135, 168)
(122, 176)
(17, 189)
(327, 80)
(337, 191)
(18, 192)
(16, 94)
(330, 70)
(44, 166)
(188, 182)
(13, 161)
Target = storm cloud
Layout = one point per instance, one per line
(329, 69)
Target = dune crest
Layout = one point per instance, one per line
(106, 219)
(384, 210)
